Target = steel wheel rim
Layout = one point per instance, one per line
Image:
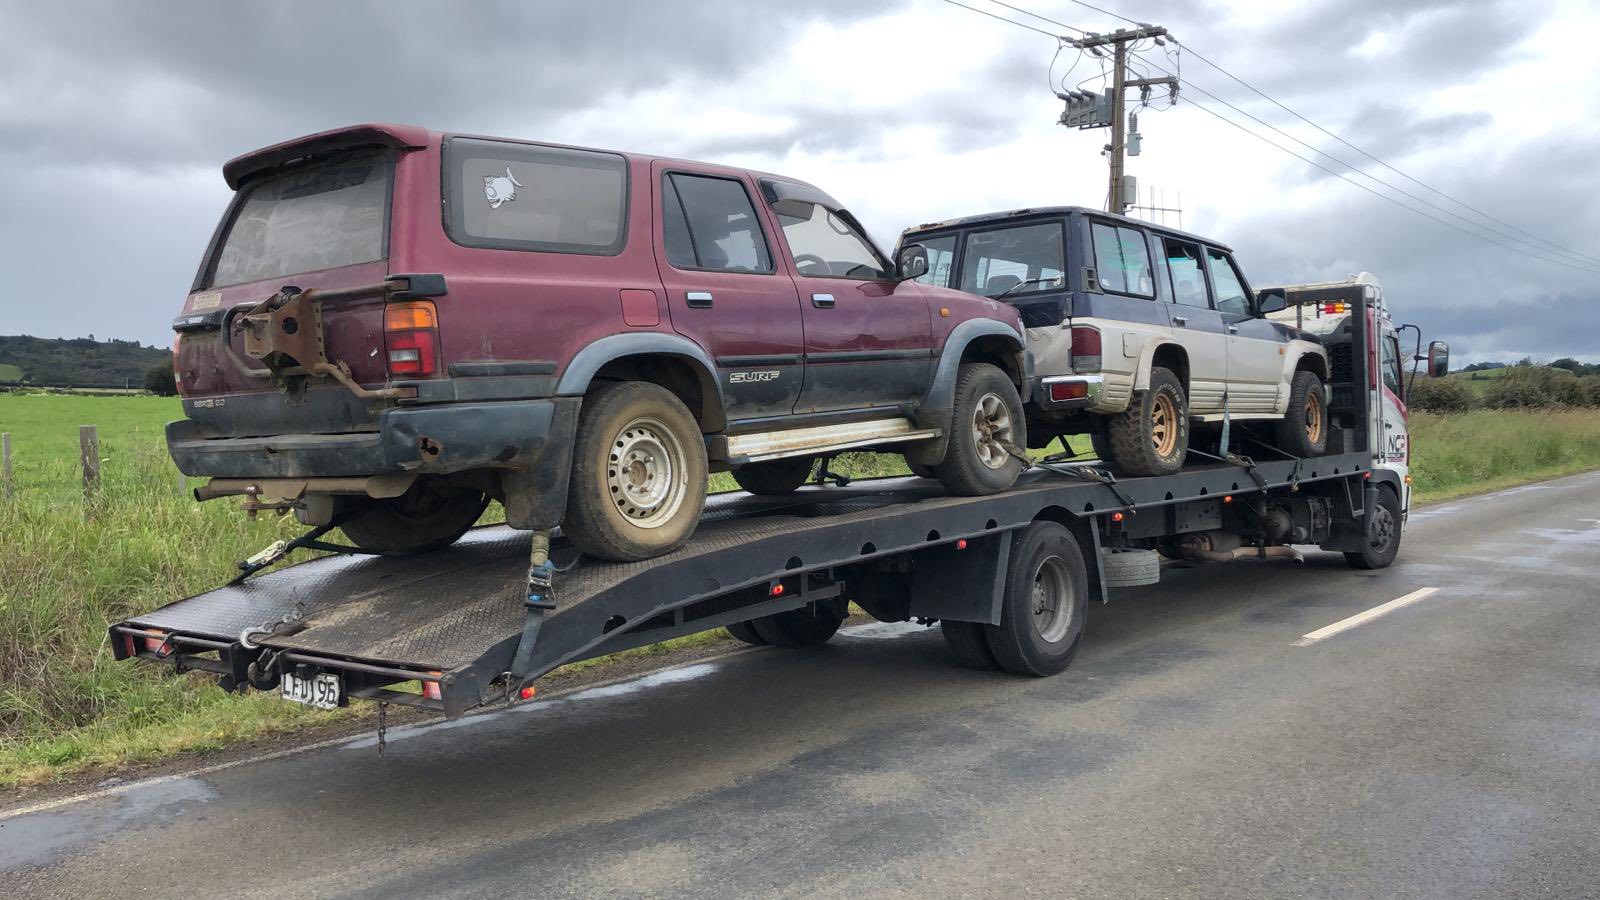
(1315, 420)
(1164, 425)
(991, 430)
(646, 473)
(1052, 600)
(1382, 529)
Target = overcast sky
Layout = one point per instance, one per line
(115, 119)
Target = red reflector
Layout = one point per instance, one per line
(777, 589)
(1228, 499)
(527, 692)
(1117, 517)
(961, 544)
(1069, 390)
(430, 689)
(158, 643)
(128, 646)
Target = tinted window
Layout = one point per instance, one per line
(825, 245)
(941, 260)
(1122, 260)
(1391, 365)
(1231, 296)
(525, 197)
(315, 217)
(710, 224)
(1183, 268)
(1017, 260)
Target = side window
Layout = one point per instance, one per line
(1231, 296)
(511, 196)
(709, 223)
(941, 260)
(1183, 268)
(1015, 260)
(1122, 260)
(825, 245)
(1391, 366)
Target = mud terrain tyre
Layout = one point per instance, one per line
(1382, 541)
(428, 516)
(1303, 431)
(638, 473)
(987, 419)
(1151, 437)
(780, 476)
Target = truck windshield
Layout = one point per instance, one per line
(319, 216)
(1017, 260)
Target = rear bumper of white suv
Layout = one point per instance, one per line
(1067, 392)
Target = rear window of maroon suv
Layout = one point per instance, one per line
(322, 215)
(511, 196)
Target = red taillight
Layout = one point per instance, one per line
(430, 689)
(411, 338)
(1085, 349)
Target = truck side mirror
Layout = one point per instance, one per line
(1438, 359)
(912, 262)
(1270, 301)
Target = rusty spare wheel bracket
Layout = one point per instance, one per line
(284, 332)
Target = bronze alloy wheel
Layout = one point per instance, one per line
(1316, 418)
(1164, 425)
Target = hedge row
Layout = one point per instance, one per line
(1522, 387)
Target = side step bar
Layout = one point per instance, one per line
(762, 446)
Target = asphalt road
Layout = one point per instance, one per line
(1450, 748)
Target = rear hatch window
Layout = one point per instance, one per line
(323, 215)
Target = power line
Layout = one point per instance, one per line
(1037, 16)
(1051, 35)
(1567, 250)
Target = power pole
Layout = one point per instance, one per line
(1120, 82)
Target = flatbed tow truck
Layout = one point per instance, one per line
(1006, 576)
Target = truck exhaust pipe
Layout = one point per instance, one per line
(1225, 546)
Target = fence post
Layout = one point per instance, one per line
(89, 453)
(6, 474)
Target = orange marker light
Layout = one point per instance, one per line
(944, 312)
(415, 314)
(527, 692)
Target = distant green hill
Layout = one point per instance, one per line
(71, 362)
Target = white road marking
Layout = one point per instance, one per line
(1362, 618)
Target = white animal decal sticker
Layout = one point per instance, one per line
(498, 189)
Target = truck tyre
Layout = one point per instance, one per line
(969, 645)
(1303, 431)
(1046, 601)
(803, 627)
(987, 422)
(428, 516)
(746, 631)
(1151, 437)
(1131, 568)
(780, 476)
(638, 473)
(1382, 542)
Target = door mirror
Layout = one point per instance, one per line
(1271, 301)
(1438, 359)
(912, 262)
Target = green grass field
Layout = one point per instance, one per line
(69, 569)
(9, 372)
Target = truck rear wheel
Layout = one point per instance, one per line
(1382, 543)
(1151, 437)
(986, 423)
(1046, 602)
(1304, 429)
(428, 516)
(638, 473)
(746, 631)
(969, 645)
(804, 627)
(780, 476)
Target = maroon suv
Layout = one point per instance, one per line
(392, 326)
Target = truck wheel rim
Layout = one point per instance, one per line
(991, 430)
(1052, 600)
(646, 473)
(1315, 420)
(1164, 425)
(1382, 529)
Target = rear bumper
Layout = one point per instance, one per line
(1085, 391)
(455, 437)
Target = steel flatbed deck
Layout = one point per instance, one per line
(454, 619)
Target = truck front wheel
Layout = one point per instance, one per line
(429, 516)
(638, 473)
(1151, 437)
(1046, 602)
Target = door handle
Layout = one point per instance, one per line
(822, 301)
(698, 299)
(1233, 329)
(1179, 320)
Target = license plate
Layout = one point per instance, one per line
(321, 690)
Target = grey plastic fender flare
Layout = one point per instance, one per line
(580, 372)
(935, 408)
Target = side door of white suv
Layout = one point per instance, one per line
(1257, 348)
(1196, 325)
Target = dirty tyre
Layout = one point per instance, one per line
(780, 476)
(1101, 444)
(920, 470)
(428, 516)
(746, 631)
(1045, 604)
(1304, 429)
(638, 473)
(1382, 541)
(804, 627)
(987, 420)
(968, 645)
(1151, 437)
